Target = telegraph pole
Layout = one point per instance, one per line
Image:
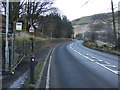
(7, 27)
(114, 27)
(51, 26)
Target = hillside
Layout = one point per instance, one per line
(93, 18)
(101, 21)
(83, 20)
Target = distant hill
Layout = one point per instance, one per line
(82, 24)
(93, 18)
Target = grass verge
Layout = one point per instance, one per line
(101, 46)
(38, 69)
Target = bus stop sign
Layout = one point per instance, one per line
(18, 26)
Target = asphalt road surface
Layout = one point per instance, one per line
(75, 66)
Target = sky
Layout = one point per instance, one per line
(74, 9)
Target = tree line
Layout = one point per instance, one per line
(41, 15)
(55, 25)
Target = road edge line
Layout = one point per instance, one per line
(40, 75)
(48, 72)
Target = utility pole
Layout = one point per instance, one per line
(51, 26)
(7, 27)
(114, 27)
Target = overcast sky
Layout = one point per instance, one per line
(74, 9)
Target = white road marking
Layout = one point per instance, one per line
(99, 60)
(114, 71)
(48, 72)
(107, 62)
(109, 65)
(81, 53)
(93, 57)
(40, 78)
(87, 54)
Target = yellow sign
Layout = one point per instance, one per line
(18, 26)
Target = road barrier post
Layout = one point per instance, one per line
(32, 65)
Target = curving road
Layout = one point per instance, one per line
(75, 66)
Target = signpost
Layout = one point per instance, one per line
(31, 30)
(32, 58)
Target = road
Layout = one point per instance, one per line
(76, 66)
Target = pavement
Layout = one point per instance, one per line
(73, 65)
(22, 71)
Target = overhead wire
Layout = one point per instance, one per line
(85, 3)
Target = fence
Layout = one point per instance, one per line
(22, 47)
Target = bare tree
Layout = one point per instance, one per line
(33, 10)
(27, 11)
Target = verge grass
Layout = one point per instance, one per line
(37, 71)
(101, 46)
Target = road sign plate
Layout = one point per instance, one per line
(31, 29)
(18, 26)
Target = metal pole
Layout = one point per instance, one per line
(32, 45)
(7, 27)
(13, 43)
(51, 30)
(51, 26)
(114, 27)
